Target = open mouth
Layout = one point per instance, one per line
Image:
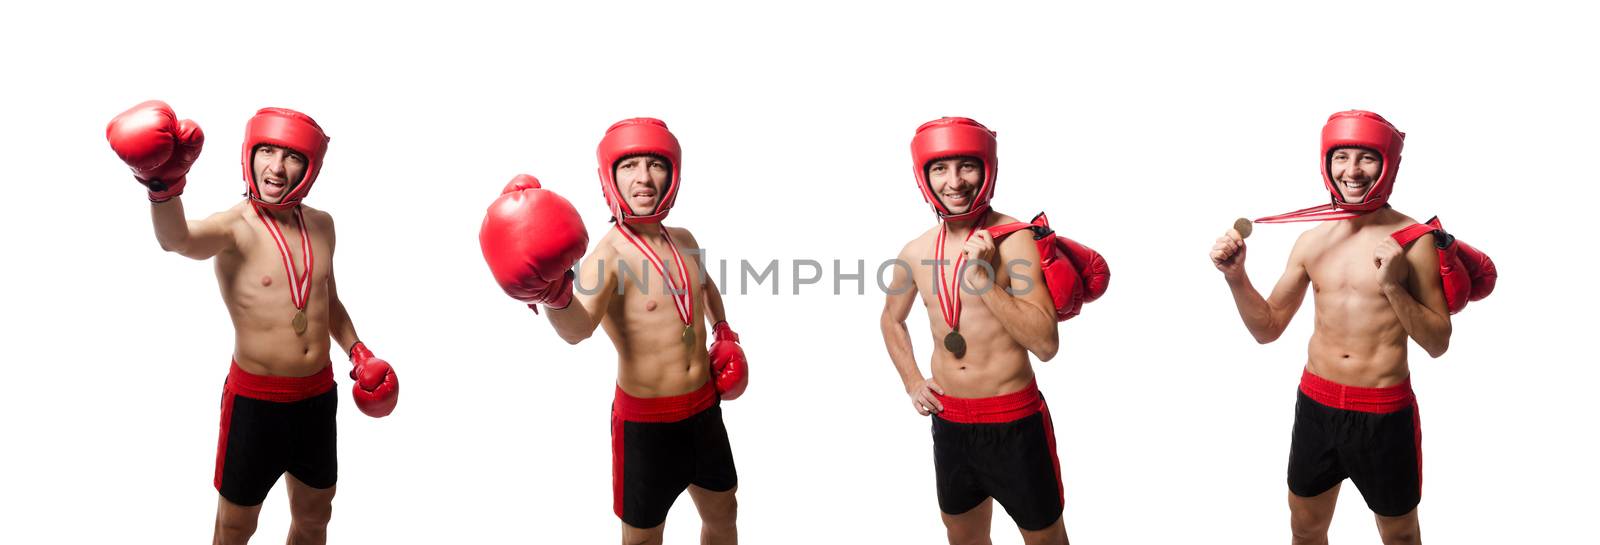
(273, 186)
(956, 198)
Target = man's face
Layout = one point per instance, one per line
(277, 170)
(955, 181)
(642, 181)
(1353, 171)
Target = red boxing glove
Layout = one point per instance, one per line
(728, 365)
(377, 390)
(1479, 267)
(1091, 267)
(156, 146)
(531, 238)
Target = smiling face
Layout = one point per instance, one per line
(642, 182)
(277, 171)
(1354, 171)
(956, 181)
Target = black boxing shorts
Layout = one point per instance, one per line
(1002, 447)
(1373, 436)
(271, 425)
(660, 446)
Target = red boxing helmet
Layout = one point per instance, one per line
(289, 129)
(948, 137)
(1358, 129)
(638, 136)
(1363, 129)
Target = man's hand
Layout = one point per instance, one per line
(922, 397)
(980, 253)
(1228, 254)
(1390, 260)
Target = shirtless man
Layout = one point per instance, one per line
(278, 402)
(1356, 415)
(644, 283)
(992, 435)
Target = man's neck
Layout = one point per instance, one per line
(962, 226)
(283, 216)
(650, 231)
(1380, 215)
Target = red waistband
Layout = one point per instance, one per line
(1356, 398)
(663, 409)
(992, 410)
(279, 389)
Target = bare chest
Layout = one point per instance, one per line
(659, 286)
(293, 264)
(1346, 268)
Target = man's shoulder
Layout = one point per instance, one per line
(240, 211)
(920, 244)
(607, 244)
(317, 217)
(996, 218)
(682, 235)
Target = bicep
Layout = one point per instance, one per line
(1024, 251)
(596, 281)
(211, 236)
(1290, 290)
(902, 291)
(1424, 282)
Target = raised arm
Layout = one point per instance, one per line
(594, 286)
(159, 149)
(1266, 318)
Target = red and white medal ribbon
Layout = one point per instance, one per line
(299, 284)
(1321, 212)
(950, 305)
(682, 298)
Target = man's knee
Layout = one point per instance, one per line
(721, 513)
(1399, 530)
(967, 537)
(1400, 536)
(1308, 524)
(234, 529)
(641, 536)
(967, 534)
(311, 515)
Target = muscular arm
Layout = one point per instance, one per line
(1266, 318)
(340, 328)
(714, 310)
(592, 291)
(896, 307)
(1425, 316)
(1029, 317)
(708, 289)
(202, 239)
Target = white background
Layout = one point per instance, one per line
(1143, 128)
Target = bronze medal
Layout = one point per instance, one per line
(956, 344)
(1243, 226)
(299, 322)
(688, 336)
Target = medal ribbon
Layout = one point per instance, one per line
(683, 298)
(1322, 212)
(299, 285)
(950, 305)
